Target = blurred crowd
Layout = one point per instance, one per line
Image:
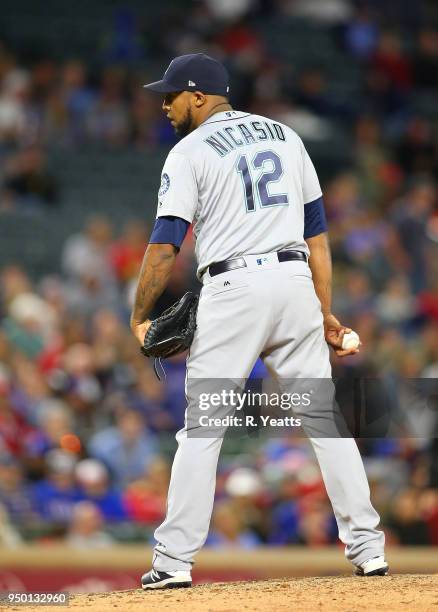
(86, 429)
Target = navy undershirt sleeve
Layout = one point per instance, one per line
(314, 218)
(169, 230)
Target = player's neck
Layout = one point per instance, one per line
(221, 107)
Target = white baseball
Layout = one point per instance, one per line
(350, 341)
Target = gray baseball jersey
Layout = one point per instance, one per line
(243, 181)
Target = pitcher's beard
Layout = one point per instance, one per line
(186, 126)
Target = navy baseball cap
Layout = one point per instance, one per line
(193, 72)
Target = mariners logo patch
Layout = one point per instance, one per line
(165, 184)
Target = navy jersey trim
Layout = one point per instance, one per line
(315, 221)
(169, 230)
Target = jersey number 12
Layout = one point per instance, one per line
(261, 185)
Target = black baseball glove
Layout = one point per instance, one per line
(173, 331)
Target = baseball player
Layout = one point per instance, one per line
(249, 188)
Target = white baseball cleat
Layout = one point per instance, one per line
(376, 566)
(166, 580)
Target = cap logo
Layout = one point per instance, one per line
(191, 84)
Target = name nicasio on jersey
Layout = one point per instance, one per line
(229, 138)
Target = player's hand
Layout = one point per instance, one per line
(334, 332)
(140, 330)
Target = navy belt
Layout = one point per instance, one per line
(233, 264)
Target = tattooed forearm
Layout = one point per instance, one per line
(154, 274)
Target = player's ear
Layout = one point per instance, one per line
(199, 98)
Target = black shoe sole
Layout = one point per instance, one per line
(382, 571)
(171, 585)
(379, 572)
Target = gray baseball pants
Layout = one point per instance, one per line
(269, 310)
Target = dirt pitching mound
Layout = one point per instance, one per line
(349, 594)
